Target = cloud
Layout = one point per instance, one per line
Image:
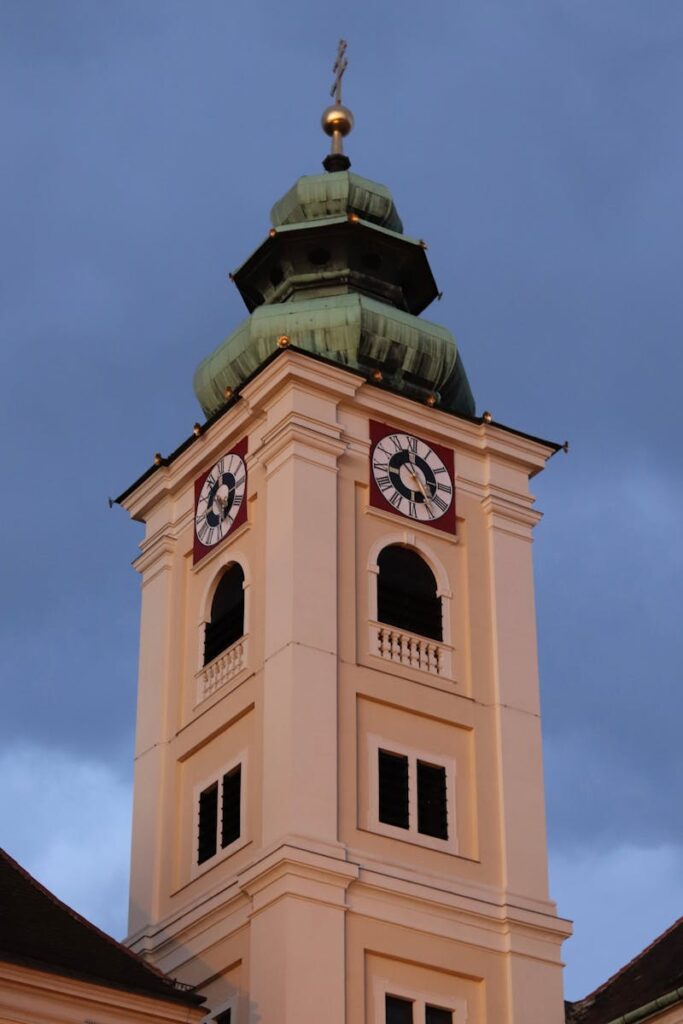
(620, 900)
(67, 821)
(609, 558)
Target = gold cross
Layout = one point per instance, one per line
(339, 67)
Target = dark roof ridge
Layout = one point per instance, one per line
(174, 991)
(622, 970)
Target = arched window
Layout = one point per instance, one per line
(406, 593)
(227, 613)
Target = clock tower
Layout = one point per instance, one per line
(338, 806)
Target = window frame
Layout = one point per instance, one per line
(230, 1004)
(447, 649)
(383, 987)
(216, 581)
(222, 852)
(372, 823)
(202, 671)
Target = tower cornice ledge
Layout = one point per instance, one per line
(157, 553)
(317, 374)
(291, 870)
(509, 511)
(300, 438)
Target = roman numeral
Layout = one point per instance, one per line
(237, 501)
(382, 466)
(440, 503)
(396, 499)
(444, 487)
(412, 509)
(412, 444)
(439, 469)
(384, 482)
(396, 443)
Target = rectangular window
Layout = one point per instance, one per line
(208, 823)
(393, 789)
(399, 1011)
(232, 793)
(219, 819)
(435, 1015)
(432, 805)
(411, 795)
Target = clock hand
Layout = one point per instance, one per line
(428, 500)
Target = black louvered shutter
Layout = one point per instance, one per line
(398, 1011)
(432, 808)
(435, 1015)
(232, 786)
(208, 823)
(393, 789)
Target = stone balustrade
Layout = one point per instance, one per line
(221, 670)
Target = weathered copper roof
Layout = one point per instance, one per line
(416, 357)
(339, 279)
(332, 195)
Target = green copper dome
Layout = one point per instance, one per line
(416, 356)
(330, 195)
(338, 277)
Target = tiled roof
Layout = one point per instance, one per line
(654, 973)
(38, 930)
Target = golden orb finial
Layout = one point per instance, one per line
(337, 120)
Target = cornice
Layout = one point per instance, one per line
(480, 438)
(304, 437)
(347, 389)
(322, 377)
(510, 512)
(309, 869)
(489, 911)
(46, 990)
(157, 554)
(295, 870)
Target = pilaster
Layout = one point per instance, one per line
(510, 518)
(301, 446)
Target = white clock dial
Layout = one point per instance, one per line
(412, 477)
(220, 499)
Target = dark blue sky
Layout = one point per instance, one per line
(537, 146)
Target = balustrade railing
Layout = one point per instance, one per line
(408, 649)
(221, 670)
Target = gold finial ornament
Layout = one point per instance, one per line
(337, 120)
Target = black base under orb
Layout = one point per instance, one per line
(336, 162)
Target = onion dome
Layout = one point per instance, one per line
(316, 196)
(337, 276)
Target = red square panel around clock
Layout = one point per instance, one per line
(411, 477)
(220, 500)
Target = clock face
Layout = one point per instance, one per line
(220, 501)
(413, 477)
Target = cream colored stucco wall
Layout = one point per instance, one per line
(316, 907)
